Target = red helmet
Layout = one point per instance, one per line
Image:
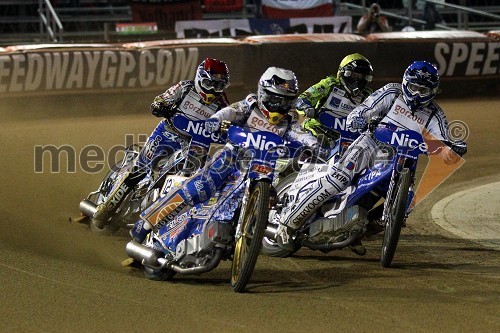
(212, 77)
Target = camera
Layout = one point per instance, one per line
(376, 15)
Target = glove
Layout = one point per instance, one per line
(212, 125)
(160, 109)
(373, 123)
(459, 147)
(311, 112)
(358, 123)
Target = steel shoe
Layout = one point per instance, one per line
(358, 248)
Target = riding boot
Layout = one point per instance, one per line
(109, 206)
(140, 230)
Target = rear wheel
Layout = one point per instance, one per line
(396, 218)
(252, 231)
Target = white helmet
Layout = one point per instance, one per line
(277, 90)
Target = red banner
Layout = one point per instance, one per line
(222, 5)
(166, 14)
(319, 11)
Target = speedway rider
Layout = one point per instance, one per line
(197, 99)
(338, 94)
(409, 105)
(269, 110)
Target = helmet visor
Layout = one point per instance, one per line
(278, 103)
(355, 76)
(210, 84)
(417, 89)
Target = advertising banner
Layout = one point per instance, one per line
(248, 27)
(294, 4)
(131, 67)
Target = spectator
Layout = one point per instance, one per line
(373, 21)
(431, 16)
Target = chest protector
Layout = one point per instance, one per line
(258, 122)
(194, 109)
(339, 104)
(401, 116)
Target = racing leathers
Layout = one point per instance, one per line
(202, 185)
(181, 97)
(327, 95)
(386, 104)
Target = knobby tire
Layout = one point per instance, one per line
(396, 218)
(252, 231)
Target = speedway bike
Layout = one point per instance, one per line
(183, 157)
(229, 225)
(391, 180)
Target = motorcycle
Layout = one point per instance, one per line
(228, 226)
(181, 159)
(391, 178)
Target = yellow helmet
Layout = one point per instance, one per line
(355, 72)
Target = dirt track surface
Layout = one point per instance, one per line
(57, 276)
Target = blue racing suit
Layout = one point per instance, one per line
(183, 98)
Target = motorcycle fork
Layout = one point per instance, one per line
(244, 203)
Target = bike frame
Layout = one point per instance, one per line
(261, 150)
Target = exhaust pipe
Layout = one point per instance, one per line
(153, 258)
(332, 246)
(199, 269)
(147, 256)
(270, 231)
(88, 208)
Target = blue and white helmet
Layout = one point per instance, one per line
(420, 84)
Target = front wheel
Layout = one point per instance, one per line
(248, 246)
(99, 197)
(396, 217)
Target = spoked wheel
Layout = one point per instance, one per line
(98, 198)
(252, 231)
(269, 246)
(116, 222)
(396, 218)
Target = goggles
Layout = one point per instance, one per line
(209, 84)
(277, 103)
(358, 76)
(417, 89)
